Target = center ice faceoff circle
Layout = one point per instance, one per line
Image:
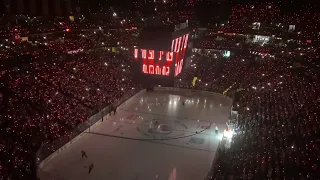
(159, 127)
(162, 128)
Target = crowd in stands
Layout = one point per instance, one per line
(55, 81)
(277, 98)
(271, 19)
(54, 74)
(275, 87)
(52, 88)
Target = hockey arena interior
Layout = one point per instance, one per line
(159, 90)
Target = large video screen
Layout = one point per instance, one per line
(163, 63)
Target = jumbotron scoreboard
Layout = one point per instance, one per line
(161, 54)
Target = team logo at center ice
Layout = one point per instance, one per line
(160, 128)
(157, 128)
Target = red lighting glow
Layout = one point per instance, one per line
(154, 62)
(169, 56)
(176, 45)
(144, 53)
(150, 69)
(136, 51)
(181, 50)
(179, 43)
(151, 54)
(186, 41)
(160, 55)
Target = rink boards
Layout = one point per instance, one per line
(150, 137)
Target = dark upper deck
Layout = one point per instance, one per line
(158, 35)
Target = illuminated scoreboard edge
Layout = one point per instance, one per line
(161, 62)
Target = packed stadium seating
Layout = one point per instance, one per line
(55, 87)
(54, 91)
(277, 131)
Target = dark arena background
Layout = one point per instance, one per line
(161, 54)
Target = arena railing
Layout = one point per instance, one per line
(49, 150)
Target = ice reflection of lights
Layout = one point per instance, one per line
(172, 105)
(219, 136)
(173, 174)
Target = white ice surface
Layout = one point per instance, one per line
(148, 139)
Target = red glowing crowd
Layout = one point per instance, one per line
(60, 81)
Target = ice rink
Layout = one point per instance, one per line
(154, 137)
